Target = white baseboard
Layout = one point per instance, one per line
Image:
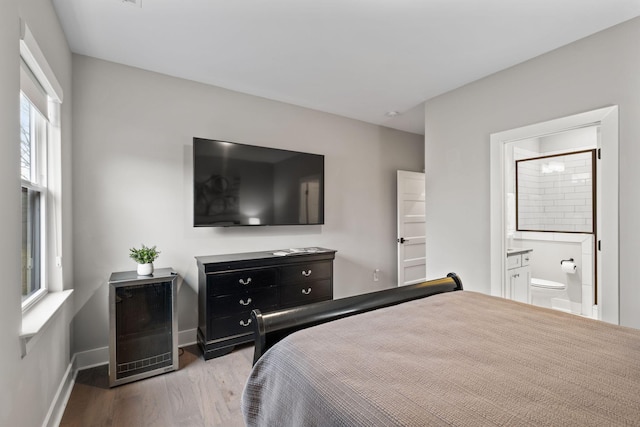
(187, 337)
(59, 403)
(92, 358)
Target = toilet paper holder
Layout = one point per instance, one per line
(566, 260)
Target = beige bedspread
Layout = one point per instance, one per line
(459, 358)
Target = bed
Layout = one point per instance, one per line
(434, 354)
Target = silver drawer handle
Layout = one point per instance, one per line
(242, 302)
(306, 273)
(306, 291)
(245, 324)
(245, 282)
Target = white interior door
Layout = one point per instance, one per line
(411, 228)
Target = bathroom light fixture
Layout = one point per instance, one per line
(392, 114)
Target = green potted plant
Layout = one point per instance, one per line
(144, 257)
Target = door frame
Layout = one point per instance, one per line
(608, 231)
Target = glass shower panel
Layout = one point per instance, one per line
(556, 193)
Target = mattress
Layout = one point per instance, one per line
(457, 358)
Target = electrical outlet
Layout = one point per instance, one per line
(376, 275)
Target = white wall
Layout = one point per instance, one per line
(133, 133)
(571, 140)
(28, 386)
(601, 70)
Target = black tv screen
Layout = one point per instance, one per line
(245, 185)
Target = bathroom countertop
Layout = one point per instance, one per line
(518, 251)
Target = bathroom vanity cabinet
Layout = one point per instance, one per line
(518, 275)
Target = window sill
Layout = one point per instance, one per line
(35, 320)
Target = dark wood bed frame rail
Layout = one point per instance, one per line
(269, 328)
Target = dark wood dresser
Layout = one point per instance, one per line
(231, 285)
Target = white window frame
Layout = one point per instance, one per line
(39, 132)
(49, 182)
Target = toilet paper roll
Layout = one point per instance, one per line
(569, 267)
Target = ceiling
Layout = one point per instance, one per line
(354, 58)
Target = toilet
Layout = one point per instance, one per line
(546, 293)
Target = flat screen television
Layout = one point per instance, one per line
(245, 185)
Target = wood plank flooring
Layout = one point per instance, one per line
(198, 394)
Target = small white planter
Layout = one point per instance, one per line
(145, 269)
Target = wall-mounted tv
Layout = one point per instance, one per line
(245, 185)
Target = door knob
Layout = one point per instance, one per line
(402, 240)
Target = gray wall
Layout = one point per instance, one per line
(28, 385)
(601, 70)
(133, 133)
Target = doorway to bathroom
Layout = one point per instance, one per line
(554, 197)
(551, 214)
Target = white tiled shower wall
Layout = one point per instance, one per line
(559, 200)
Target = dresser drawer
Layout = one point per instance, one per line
(238, 281)
(264, 299)
(305, 272)
(224, 327)
(304, 293)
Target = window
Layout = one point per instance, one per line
(41, 178)
(33, 173)
(39, 104)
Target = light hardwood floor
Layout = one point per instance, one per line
(198, 394)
